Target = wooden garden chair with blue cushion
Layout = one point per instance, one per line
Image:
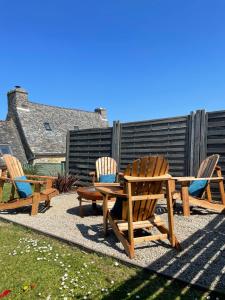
(196, 191)
(106, 172)
(133, 216)
(43, 190)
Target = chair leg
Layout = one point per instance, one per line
(185, 199)
(170, 214)
(222, 193)
(208, 193)
(35, 204)
(221, 185)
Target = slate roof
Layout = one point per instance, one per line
(30, 118)
(9, 136)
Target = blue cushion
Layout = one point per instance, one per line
(24, 188)
(109, 178)
(196, 188)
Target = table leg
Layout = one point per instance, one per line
(94, 206)
(185, 199)
(105, 214)
(81, 207)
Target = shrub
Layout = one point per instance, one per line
(31, 169)
(65, 183)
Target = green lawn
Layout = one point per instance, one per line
(37, 267)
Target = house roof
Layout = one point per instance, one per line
(9, 136)
(43, 128)
(34, 118)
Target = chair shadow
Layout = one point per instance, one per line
(24, 210)
(201, 263)
(178, 210)
(98, 236)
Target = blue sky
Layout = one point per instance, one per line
(139, 59)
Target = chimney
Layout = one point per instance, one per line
(102, 112)
(18, 97)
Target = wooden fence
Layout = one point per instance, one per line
(185, 141)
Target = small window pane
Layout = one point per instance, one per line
(4, 149)
(47, 126)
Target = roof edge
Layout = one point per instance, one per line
(66, 108)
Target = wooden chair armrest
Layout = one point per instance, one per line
(186, 179)
(30, 181)
(142, 179)
(44, 177)
(9, 180)
(106, 184)
(180, 179)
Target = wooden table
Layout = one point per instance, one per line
(89, 194)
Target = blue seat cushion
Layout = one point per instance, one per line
(196, 188)
(109, 178)
(24, 188)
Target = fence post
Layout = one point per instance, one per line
(197, 140)
(116, 140)
(67, 152)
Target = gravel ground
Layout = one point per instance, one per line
(202, 237)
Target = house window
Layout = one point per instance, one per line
(5, 149)
(47, 126)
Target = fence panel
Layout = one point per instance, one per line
(84, 147)
(216, 139)
(184, 141)
(168, 137)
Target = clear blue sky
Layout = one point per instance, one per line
(139, 59)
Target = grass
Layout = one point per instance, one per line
(34, 266)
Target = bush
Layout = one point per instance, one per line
(31, 169)
(65, 183)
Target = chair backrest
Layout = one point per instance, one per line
(208, 166)
(149, 166)
(13, 165)
(105, 166)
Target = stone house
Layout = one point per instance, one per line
(37, 133)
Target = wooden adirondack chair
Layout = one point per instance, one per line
(144, 180)
(105, 166)
(207, 168)
(14, 169)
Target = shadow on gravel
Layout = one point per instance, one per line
(202, 263)
(95, 234)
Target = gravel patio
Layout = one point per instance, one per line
(202, 237)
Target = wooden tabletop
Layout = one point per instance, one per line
(112, 190)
